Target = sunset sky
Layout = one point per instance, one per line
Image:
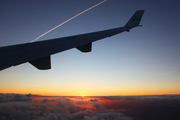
(144, 61)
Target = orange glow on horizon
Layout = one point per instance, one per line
(48, 90)
(83, 96)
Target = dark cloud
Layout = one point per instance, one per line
(90, 115)
(3, 98)
(16, 110)
(46, 100)
(143, 97)
(14, 97)
(98, 106)
(92, 100)
(19, 97)
(160, 97)
(52, 116)
(18, 115)
(141, 109)
(82, 102)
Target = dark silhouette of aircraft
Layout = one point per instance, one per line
(38, 53)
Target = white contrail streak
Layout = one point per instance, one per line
(68, 20)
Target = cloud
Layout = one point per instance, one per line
(92, 115)
(156, 107)
(14, 97)
(98, 106)
(18, 114)
(160, 97)
(46, 100)
(23, 107)
(3, 99)
(92, 100)
(142, 97)
(82, 102)
(52, 116)
(19, 97)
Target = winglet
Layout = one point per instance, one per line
(135, 19)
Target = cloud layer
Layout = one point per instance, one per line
(28, 107)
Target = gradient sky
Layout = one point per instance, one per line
(144, 61)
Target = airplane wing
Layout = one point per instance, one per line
(38, 53)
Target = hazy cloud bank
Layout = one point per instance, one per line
(25, 107)
(31, 107)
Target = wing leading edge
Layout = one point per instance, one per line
(38, 53)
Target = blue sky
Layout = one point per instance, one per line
(142, 61)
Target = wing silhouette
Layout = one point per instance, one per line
(38, 53)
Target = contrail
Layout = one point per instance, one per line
(68, 20)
